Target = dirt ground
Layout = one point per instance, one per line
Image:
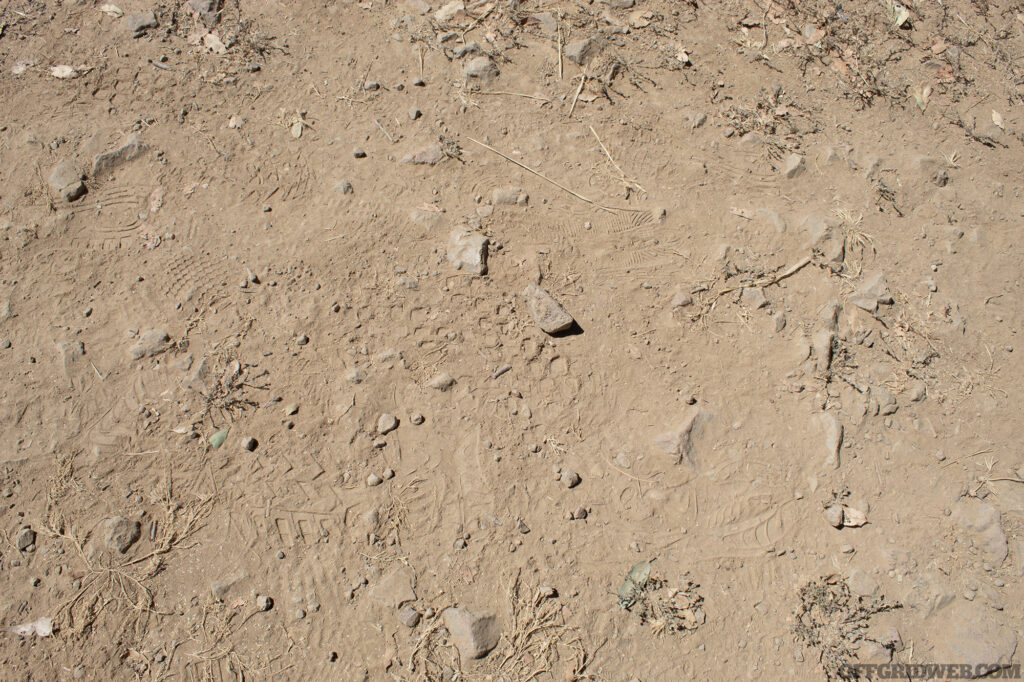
(278, 398)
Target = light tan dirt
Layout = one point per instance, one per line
(789, 235)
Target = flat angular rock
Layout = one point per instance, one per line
(132, 149)
(428, 156)
(583, 51)
(150, 343)
(441, 382)
(67, 182)
(509, 196)
(395, 589)
(474, 634)
(480, 70)
(207, 10)
(679, 441)
(448, 12)
(138, 23)
(120, 533)
(793, 166)
(547, 313)
(833, 431)
(468, 251)
(982, 519)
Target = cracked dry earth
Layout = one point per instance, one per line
(509, 340)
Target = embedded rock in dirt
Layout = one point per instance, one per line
(120, 533)
(207, 10)
(132, 149)
(583, 51)
(833, 432)
(972, 634)
(547, 313)
(468, 251)
(138, 23)
(428, 156)
(982, 519)
(480, 70)
(474, 634)
(679, 441)
(67, 182)
(150, 343)
(395, 589)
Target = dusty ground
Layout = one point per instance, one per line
(788, 233)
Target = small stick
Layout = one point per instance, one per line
(514, 94)
(542, 176)
(97, 372)
(768, 281)
(561, 71)
(583, 79)
(386, 133)
(159, 65)
(622, 176)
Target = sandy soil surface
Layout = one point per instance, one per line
(509, 339)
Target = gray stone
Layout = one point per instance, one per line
(753, 297)
(480, 70)
(474, 634)
(428, 156)
(67, 182)
(264, 603)
(373, 480)
(834, 515)
(395, 589)
(983, 520)
(886, 401)
(547, 313)
(344, 187)
(207, 10)
(386, 424)
(569, 478)
(467, 50)
(120, 533)
(416, 418)
(583, 51)
(468, 251)
(408, 616)
(793, 166)
(151, 343)
(25, 538)
(138, 23)
(679, 441)
(132, 149)
(441, 382)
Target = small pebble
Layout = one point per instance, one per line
(389, 474)
(373, 479)
(359, 153)
(299, 614)
(569, 478)
(87, 312)
(416, 418)
(291, 408)
(460, 543)
(250, 444)
(386, 424)
(264, 603)
(302, 340)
